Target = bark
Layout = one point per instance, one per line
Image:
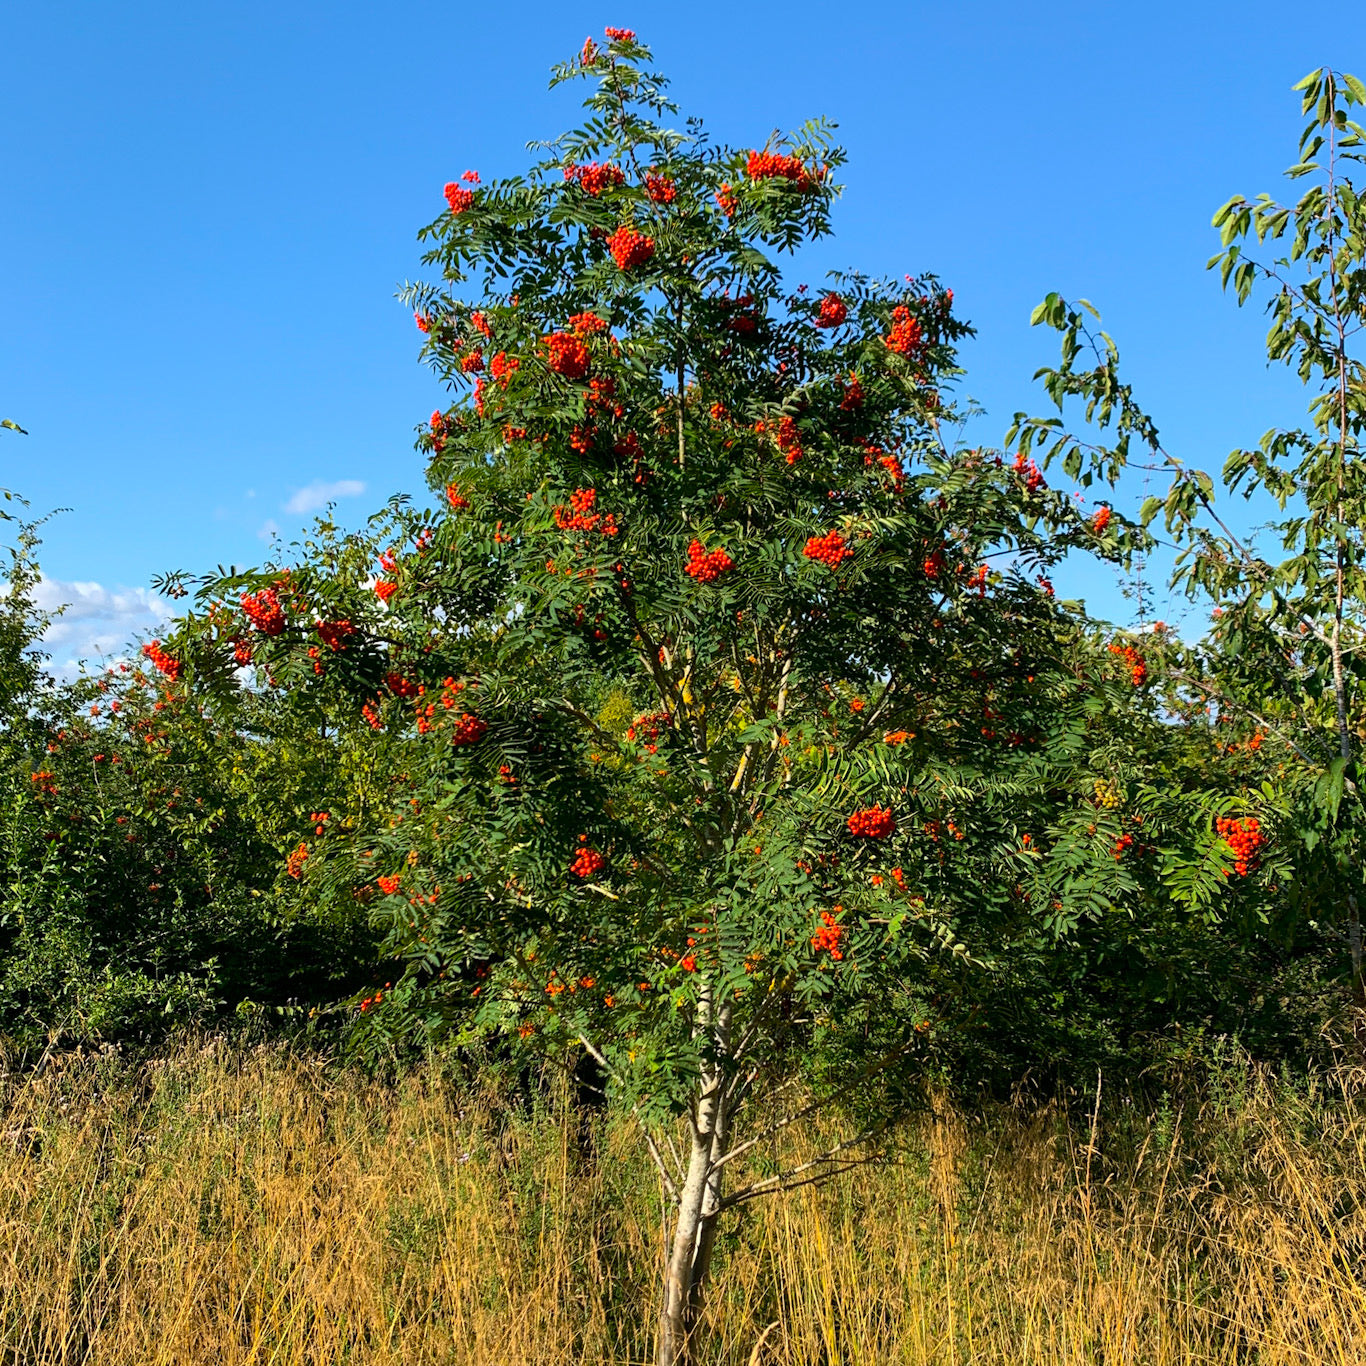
(699, 1200)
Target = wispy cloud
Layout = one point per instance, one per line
(319, 493)
(98, 622)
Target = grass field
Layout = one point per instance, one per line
(226, 1208)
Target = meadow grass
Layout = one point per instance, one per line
(232, 1207)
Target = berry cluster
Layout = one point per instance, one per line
(905, 338)
(832, 312)
(776, 166)
(502, 366)
(874, 823)
(334, 634)
(853, 394)
(1244, 836)
(388, 883)
(567, 355)
(789, 440)
(294, 864)
(648, 729)
(727, 200)
(400, 686)
(620, 35)
(585, 324)
(827, 939)
(830, 549)
(385, 589)
(1101, 520)
(1138, 666)
(455, 498)
(594, 178)
(1029, 472)
(168, 664)
(264, 612)
(469, 730)
(660, 188)
(587, 863)
(458, 198)
(707, 565)
(630, 248)
(241, 652)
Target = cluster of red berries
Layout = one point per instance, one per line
(388, 883)
(620, 35)
(789, 440)
(385, 589)
(874, 822)
(727, 200)
(586, 324)
(1138, 666)
(1029, 472)
(43, 778)
(830, 549)
(707, 565)
(905, 338)
(400, 686)
(334, 634)
(594, 178)
(853, 394)
(502, 366)
(469, 730)
(376, 999)
(1244, 836)
(294, 864)
(567, 355)
(264, 612)
(1101, 520)
(458, 198)
(647, 729)
(827, 939)
(630, 248)
(832, 312)
(455, 498)
(776, 166)
(473, 363)
(168, 664)
(241, 652)
(587, 863)
(1123, 843)
(660, 188)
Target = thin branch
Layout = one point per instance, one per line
(785, 1180)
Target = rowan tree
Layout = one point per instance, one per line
(735, 697)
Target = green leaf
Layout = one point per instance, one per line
(13, 426)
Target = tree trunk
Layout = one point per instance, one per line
(675, 1320)
(699, 1202)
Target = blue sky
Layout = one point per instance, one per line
(206, 211)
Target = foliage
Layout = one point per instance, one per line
(1279, 676)
(144, 888)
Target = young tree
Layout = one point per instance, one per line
(1281, 668)
(736, 698)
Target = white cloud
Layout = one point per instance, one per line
(319, 493)
(98, 622)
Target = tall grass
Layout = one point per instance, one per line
(229, 1208)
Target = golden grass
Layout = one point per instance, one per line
(227, 1208)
